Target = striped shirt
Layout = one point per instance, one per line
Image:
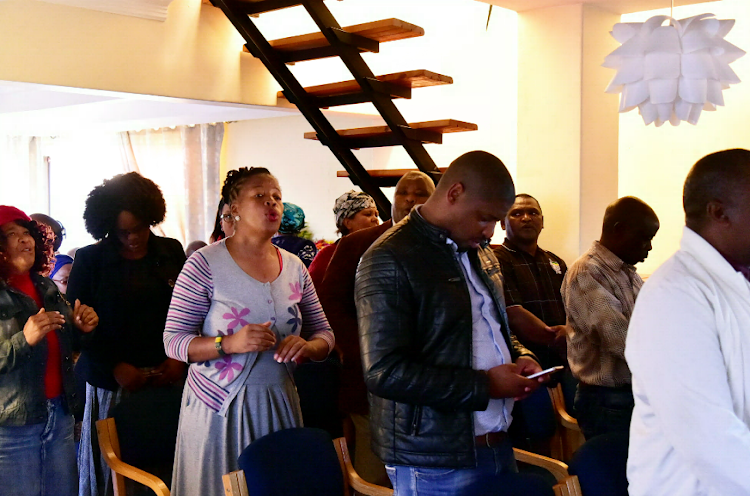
(214, 297)
(599, 291)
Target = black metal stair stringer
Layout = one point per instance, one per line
(353, 60)
(304, 102)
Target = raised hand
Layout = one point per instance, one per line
(40, 324)
(84, 317)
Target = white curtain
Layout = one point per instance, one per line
(184, 162)
(24, 174)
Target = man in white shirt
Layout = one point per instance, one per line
(688, 345)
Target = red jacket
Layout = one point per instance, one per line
(336, 293)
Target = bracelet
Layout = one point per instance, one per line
(217, 344)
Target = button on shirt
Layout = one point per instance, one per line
(488, 345)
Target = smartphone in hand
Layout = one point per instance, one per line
(550, 370)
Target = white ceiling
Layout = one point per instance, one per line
(147, 9)
(616, 6)
(42, 110)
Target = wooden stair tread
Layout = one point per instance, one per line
(381, 31)
(409, 79)
(442, 126)
(390, 173)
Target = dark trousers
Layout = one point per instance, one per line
(600, 409)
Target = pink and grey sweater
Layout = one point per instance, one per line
(214, 297)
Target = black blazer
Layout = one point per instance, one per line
(131, 298)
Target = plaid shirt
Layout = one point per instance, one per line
(534, 283)
(599, 293)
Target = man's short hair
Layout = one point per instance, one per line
(482, 174)
(529, 197)
(717, 176)
(414, 175)
(627, 210)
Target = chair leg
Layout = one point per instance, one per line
(235, 484)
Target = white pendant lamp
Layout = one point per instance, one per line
(672, 72)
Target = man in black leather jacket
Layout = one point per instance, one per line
(438, 357)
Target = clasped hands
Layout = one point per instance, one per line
(260, 337)
(133, 378)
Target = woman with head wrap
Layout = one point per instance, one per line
(354, 210)
(288, 237)
(38, 332)
(61, 272)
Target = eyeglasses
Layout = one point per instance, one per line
(226, 218)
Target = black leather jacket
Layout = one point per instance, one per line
(415, 329)
(22, 394)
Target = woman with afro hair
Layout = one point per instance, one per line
(38, 332)
(128, 276)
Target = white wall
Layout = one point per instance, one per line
(306, 170)
(196, 53)
(654, 161)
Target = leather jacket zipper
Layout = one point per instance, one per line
(416, 420)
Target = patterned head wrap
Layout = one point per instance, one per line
(348, 204)
(293, 219)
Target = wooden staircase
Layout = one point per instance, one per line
(347, 43)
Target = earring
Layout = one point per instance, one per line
(237, 218)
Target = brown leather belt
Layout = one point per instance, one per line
(491, 439)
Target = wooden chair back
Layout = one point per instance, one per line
(109, 445)
(571, 437)
(567, 485)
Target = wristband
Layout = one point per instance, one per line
(217, 344)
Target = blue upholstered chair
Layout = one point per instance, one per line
(600, 464)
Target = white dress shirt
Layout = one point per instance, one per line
(488, 343)
(688, 347)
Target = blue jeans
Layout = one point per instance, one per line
(39, 459)
(496, 474)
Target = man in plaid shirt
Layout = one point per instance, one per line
(532, 277)
(599, 291)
